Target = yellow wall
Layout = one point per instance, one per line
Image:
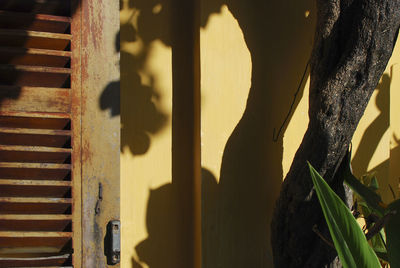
(253, 55)
(154, 164)
(250, 72)
(376, 141)
(146, 98)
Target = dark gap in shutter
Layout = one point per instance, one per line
(51, 7)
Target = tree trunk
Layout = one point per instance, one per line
(353, 43)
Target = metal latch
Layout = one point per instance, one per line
(112, 241)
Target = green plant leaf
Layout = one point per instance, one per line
(373, 200)
(382, 256)
(349, 240)
(370, 180)
(393, 234)
(377, 241)
(374, 185)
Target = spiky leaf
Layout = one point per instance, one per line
(348, 238)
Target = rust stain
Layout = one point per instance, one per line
(86, 152)
(95, 22)
(95, 151)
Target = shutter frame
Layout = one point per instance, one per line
(76, 114)
(100, 129)
(40, 124)
(53, 110)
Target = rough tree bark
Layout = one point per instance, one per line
(353, 43)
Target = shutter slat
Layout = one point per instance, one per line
(29, 188)
(34, 174)
(34, 51)
(35, 57)
(35, 131)
(35, 76)
(35, 137)
(32, 39)
(35, 200)
(37, 262)
(34, 154)
(34, 149)
(55, 223)
(31, 266)
(35, 165)
(60, 217)
(34, 22)
(35, 234)
(35, 99)
(51, 140)
(35, 205)
(33, 116)
(34, 191)
(33, 241)
(34, 171)
(38, 120)
(34, 69)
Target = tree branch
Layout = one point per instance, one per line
(353, 43)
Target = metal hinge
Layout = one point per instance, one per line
(112, 241)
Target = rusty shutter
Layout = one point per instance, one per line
(40, 158)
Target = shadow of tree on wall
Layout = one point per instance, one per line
(161, 219)
(387, 171)
(141, 118)
(237, 211)
(375, 131)
(394, 180)
(278, 37)
(158, 250)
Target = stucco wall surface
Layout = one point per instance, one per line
(253, 116)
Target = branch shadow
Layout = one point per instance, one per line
(141, 118)
(278, 36)
(388, 174)
(236, 211)
(375, 131)
(394, 180)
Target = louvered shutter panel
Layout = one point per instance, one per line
(40, 154)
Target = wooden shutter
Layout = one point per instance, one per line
(40, 156)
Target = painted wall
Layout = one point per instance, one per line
(253, 56)
(159, 156)
(146, 104)
(250, 72)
